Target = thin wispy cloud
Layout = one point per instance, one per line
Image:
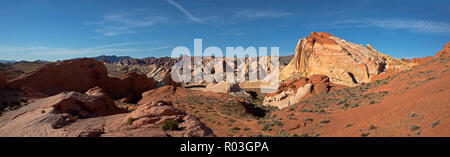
(419, 26)
(254, 13)
(207, 20)
(125, 44)
(185, 12)
(5, 49)
(125, 22)
(233, 33)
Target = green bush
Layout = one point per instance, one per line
(235, 128)
(365, 134)
(414, 128)
(24, 100)
(130, 120)
(170, 125)
(15, 103)
(435, 123)
(266, 128)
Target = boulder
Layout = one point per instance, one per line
(321, 83)
(93, 103)
(295, 89)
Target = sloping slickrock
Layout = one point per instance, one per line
(45, 116)
(151, 116)
(93, 114)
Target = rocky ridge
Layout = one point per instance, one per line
(343, 62)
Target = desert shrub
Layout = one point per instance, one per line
(170, 125)
(15, 103)
(266, 128)
(346, 105)
(130, 120)
(434, 124)
(371, 127)
(325, 121)
(283, 133)
(414, 128)
(23, 100)
(4, 105)
(235, 128)
(304, 135)
(413, 115)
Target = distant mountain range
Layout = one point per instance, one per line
(7, 61)
(111, 59)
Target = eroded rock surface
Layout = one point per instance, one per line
(81, 75)
(295, 89)
(72, 114)
(343, 62)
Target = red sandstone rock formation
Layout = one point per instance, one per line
(343, 62)
(91, 104)
(445, 52)
(153, 115)
(295, 89)
(80, 75)
(72, 114)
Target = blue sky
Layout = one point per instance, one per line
(63, 29)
